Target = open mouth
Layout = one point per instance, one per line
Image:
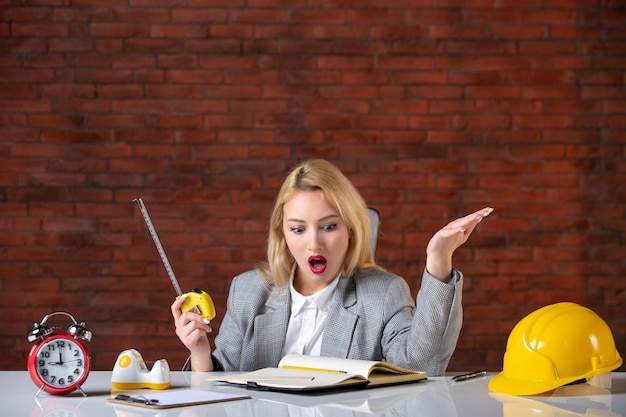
(317, 264)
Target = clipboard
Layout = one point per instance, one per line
(176, 398)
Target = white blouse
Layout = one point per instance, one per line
(306, 323)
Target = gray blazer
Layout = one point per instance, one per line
(371, 316)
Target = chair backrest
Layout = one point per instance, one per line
(375, 223)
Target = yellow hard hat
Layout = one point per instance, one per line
(554, 346)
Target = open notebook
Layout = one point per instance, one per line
(304, 373)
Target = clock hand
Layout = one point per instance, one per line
(60, 362)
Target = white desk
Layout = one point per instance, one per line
(437, 397)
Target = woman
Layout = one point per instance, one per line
(321, 293)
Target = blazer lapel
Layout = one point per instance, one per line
(340, 321)
(270, 330)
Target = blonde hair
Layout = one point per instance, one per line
(319, 175)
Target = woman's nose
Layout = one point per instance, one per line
(315, 243)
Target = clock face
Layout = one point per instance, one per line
(59, 363)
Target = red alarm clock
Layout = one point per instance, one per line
(59, 362)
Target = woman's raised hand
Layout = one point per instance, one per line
(443, 244)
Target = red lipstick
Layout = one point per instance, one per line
(317, 263)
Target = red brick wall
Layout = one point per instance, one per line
(432, 108)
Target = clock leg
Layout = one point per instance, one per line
(39, 392)
(78, 387)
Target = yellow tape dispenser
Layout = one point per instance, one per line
(131, 372)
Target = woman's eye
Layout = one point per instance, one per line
(297, 229)
(328, 227)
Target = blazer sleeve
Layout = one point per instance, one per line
(252, 331)
(229, 340)
(433, 330)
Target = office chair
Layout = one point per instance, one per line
(374, 216)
